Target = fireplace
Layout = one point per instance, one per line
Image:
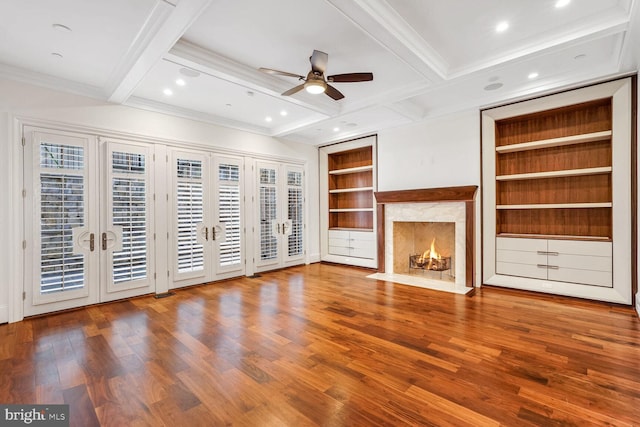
(426, 238)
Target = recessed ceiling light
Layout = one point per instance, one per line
(189, 72)
(249, 93)
(180, 82)
(533, 75)
(57, 55)
(562, 3)
(62, 28)
(493, 86)
(502, 26)
(283, 113)
(167, 92)
(336, 129)
(268, 119)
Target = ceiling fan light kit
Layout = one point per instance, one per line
(315, 82)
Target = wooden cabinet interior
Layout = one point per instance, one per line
(553, 172)
(351, 189)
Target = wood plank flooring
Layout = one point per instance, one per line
(323, 345)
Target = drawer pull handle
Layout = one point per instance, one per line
(547, 266)
(548, 253)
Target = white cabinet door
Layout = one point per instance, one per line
(280, 216)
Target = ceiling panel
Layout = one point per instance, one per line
(464, 32)
(219, 98)
(101, 34)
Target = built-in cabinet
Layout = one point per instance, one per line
(348, 181)
(557, 205)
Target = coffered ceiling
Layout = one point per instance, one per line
(200, 58)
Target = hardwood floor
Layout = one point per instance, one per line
(323, 345)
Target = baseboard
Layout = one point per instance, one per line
(313, 258)
(4, 313)
(638, 304)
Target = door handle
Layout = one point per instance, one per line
(206, 234)
(284, 228)
(92, 242)
(104, 241)
(213, 233)
(278, 228)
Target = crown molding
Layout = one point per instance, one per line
(50, 82)
(159, 107)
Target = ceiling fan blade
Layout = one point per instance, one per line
(334, 93)
(293, 90)
(350, 77)
(319, 61)
(280, 73)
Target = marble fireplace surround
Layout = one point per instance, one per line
(456, 204)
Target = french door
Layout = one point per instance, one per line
(208, 230)
(88, 217)
(280, 206)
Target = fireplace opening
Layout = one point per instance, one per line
(425, 249)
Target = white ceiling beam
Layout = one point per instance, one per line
(384, 25)
(164, 26)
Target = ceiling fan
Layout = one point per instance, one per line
(315, 82)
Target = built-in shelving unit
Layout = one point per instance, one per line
(348, 210)
(557, 199)
(559, 184)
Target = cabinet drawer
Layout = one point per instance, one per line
(584, 277)
(339, 250)
(338, 242)
(338, 234)
(521, 270)
(367, 236)
(516, 244)
(582, 262)
(520, 257)
(368, 252)
(575, 247)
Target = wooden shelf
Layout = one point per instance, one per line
(557, 206)
(351, 170)
(351, 210)
(351, 229)
(554, 236)
(555, 174)
(555, 142)
(351, 190)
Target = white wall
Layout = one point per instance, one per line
(441, 152)
(26, 102)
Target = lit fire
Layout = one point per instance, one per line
(430, 254)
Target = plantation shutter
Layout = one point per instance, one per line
(229, 214)
(295, 209)
(62, 208)
(189, 214)
(129, 211)
(268, 201)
